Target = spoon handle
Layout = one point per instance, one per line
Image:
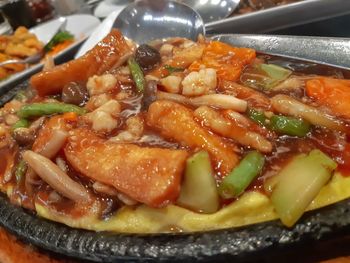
(29, 60)
(12, 61)
(321, 50)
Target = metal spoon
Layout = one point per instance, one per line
(29, 60)
(212, 10)
(147, 20)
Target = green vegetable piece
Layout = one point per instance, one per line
(289, 125)
(257, 116)
(21, 95)
(198, 191)
(299, 183)
(276, 75)
(241, 176)
(21, 123)
(137, 74)
(265, 76)
(41, 109)
(58, 38)
(21, 169)
(171, 69)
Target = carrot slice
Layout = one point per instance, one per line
(228, 61)
(110, 51)
(70, 116)
(148, 175)
(332, 93)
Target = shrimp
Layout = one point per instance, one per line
(199, 83)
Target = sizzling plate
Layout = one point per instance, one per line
(263, 242)
(260, 242)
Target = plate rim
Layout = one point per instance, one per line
(247, 242)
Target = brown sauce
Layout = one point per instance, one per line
(335, 144)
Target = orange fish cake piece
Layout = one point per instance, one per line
(175, 121)
(102, 57)
(148, 175)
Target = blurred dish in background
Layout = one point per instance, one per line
(79, 26)
(68, 7)
(41, 10)
(27, 13)
(248, 6)
(107, 7)
(18, 13)
(5, 27)
(20, 45)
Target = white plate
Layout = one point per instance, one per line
(81, 26)
(106, 7)
(98, 34)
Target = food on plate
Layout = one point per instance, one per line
(248, 6)
(20, 45)
(23, 44)
(177, 136)
(59, 41)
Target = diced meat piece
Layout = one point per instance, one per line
(103, 119)
(148, 175)
(175, 121)
(97, 85)
(171, 84)
(102, 57)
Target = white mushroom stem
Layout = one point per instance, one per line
(110, 190)
(52, 147)
(9, 160)
(104, 189)
(290, 106)
(126, 199)
(55, 177)
(220, 101)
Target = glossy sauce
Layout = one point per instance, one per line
(335, 144)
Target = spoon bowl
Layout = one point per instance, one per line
(213, 10)
(147, 20)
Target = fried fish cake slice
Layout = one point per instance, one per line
(101, 58)
(175, 121)
(148, 175)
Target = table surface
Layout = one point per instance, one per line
(15, 251)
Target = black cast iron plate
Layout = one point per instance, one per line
(260, 242)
